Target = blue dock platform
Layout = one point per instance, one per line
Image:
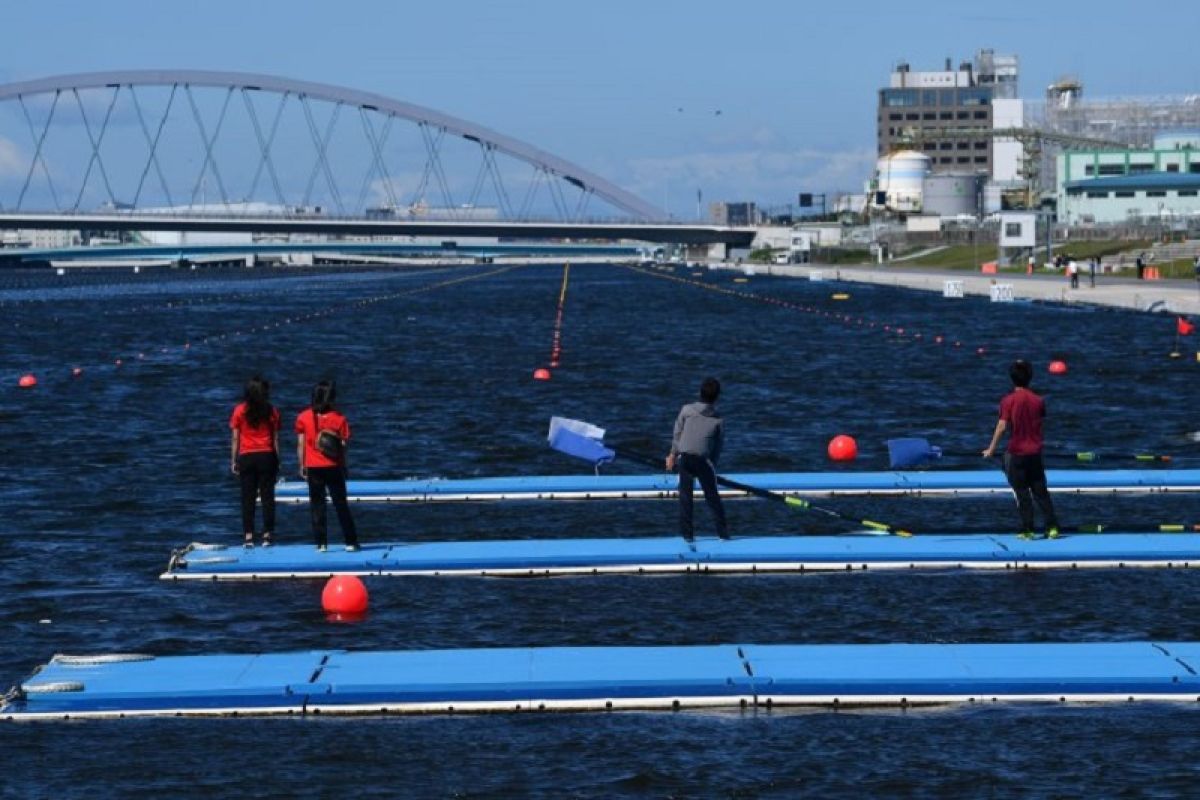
(825, 484)
(544, 557)
(517, 680)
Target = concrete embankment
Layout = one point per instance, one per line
(1171, 296)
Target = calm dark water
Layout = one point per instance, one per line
(106, 472)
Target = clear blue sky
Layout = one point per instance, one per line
(602, 83)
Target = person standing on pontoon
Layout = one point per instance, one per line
(1021, 414)
(322, 437)
(695, 448)
(254, 456)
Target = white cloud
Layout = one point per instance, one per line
(765, 176)
(12, 163)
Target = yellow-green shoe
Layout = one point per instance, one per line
(1027, 535)
(1052, 533)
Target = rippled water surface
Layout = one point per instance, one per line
(106, 472)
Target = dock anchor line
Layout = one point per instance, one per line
(546, 679)
(662, 485)
(860, 552)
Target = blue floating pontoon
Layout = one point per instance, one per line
(589, 487)
(601, 678)
(538, 557)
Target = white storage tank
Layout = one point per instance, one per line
(901, 177)
(952, 195)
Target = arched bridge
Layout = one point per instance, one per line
(231, 142)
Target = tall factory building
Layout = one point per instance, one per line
(948, 114)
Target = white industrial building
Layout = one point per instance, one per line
(1116, 186)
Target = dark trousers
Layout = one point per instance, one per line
(694, 467)
(1027, 477)
(332, 479)
(258, 473)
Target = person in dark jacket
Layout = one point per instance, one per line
(695, 448)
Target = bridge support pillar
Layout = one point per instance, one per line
(718, 251)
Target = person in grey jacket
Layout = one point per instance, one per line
(695, 448)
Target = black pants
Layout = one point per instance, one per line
(334, 479)
(1027, 477)
(694, 467)
(258, 473)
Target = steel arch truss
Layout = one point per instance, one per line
(219, 141)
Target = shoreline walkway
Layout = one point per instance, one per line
(1168, 296)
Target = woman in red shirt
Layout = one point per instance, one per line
(322, 437)
(254, 455)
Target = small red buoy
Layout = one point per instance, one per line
(117, 362)
(541, 374)
(27, 381)
(75, 373)
(344, 594)
(843, 448)
(1058, 367)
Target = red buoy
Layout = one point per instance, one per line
(541, 374)
(75, 373)
(1058, 367)
(27, 381)
(843, 448)
(344, 594)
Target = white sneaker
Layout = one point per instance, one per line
(321, 548)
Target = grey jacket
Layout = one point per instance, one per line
(698, 431)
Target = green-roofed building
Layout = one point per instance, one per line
(1116, 186)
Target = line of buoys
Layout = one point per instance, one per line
(541, 373)
(119, 362)
(846, 319)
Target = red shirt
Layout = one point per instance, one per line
(1023, 411)
(330, 421)
(254, 438)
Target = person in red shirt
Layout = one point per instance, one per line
(254, 455)
(1021, 414)
(323, 435)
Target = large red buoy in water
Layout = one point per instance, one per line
(843, 448)
(541, 374)
(27, 381)
(1058, 367)
(344, 594)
